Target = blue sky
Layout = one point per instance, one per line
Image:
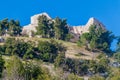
(77, 12)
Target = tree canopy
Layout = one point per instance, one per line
(97, 39)
(11, 27)
(56, 28)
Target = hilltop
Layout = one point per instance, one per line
(75, 30)
(50, 49)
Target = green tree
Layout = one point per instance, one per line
(59, 61)
(2, 30)
(44, 28)
(9, 45)
(14, 28)
(35, 72)
(23, 49)
(11, 27)
(1, 65)
(60, 28)
(68, 37)
(117, 53)
(117, 56)
(4, 26)
(32, 71)
(97, 39)
(19, 47)
(15, 69)
(2, 49)
(53, 29)
(47, 50)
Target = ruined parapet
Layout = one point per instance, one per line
(85, 28)
(79, 30)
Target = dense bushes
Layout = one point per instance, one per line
(48, 51)
(81, 67)
(44, 50)
(1, 65)
(20, 68)
(17, 70)
(19, 47)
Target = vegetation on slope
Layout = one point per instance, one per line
(51, 57)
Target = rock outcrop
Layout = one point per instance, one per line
(75, 30)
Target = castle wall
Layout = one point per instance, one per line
(75, 30)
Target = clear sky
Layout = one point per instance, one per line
(77, 12)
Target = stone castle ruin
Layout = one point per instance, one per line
(27, 30)
(75, 30)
